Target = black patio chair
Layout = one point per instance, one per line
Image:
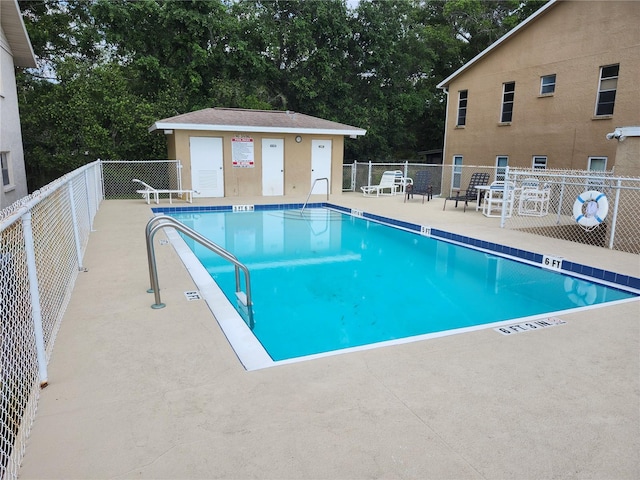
(421, 186)
(471, 193)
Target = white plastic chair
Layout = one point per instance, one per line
(530, 183)
(534, 201)
(402, 181)
(500, 193)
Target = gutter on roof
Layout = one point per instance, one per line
(443, 84)
(255, 129)
(18, 38)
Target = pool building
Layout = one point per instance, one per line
(235, 152)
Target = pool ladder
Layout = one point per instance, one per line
(162, 221)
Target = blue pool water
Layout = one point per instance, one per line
(324, 281)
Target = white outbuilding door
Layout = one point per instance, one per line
(207, 174)
(320, 164)
(272, 166)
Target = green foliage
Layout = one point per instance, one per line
(109, 68)
(89, 114)
(479, 23)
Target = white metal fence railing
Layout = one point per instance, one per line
(588, 207)
(359, 174)
(42, 239)
(581, 206)
(160, 174)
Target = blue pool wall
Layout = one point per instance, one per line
(625, 281)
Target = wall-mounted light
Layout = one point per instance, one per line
(298, 139)
(621, 133)
(617, 134)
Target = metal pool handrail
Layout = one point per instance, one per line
(312, 187)
(162, 221)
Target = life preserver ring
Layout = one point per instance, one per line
(581, 293)
(590, 208)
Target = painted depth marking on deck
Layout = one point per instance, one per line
(192, 295)
(528, 326)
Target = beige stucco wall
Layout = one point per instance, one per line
(627, 157)
(572, 40)
(10, 131)
(627, 229)
(240, 182)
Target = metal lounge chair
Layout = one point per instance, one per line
(421, 186)
(471, 193)
(387, 182)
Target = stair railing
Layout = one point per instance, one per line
(162, 221)
(310, 191)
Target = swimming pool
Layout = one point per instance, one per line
(324, 281)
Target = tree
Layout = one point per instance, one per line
(89, 114)
(78, 105)
(109, 68)
(394, 56)
(304, 46)
(479, 23)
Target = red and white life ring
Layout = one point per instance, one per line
(590, 208)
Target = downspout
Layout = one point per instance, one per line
(444, 142)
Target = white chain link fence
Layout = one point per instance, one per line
(160, 174)
(42, 241)
(593, 208)
(582, 206)
(42, 238)
(359, 174)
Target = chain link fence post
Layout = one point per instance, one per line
(36, 311)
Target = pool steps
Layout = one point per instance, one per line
(245, 311)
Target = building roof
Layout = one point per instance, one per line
(16, 33)
(514, 31)
(264, 121)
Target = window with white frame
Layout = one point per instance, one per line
(548, 84)
(539, 162)
(462, 108)
(597, 164)
(607, 90)
(6, 169)
(508, 94)
(501, 166)
(457, 171)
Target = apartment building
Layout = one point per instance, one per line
(15, 51)
(546, 94)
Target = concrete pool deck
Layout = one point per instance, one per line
(141, 393)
